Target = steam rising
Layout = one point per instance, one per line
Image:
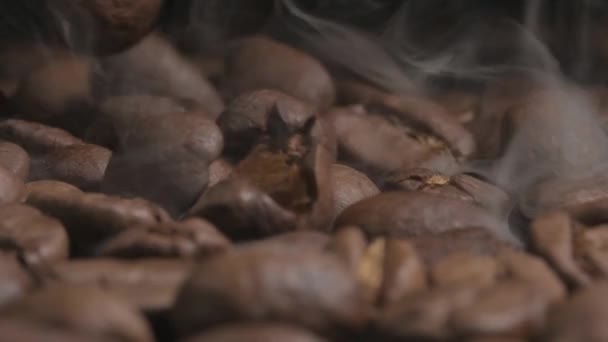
(556, 134)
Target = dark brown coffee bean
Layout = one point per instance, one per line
(260, 332)
(191, 238)
(532, 270)
(154, 67)
(58, 94)
(34, 137)
(243, 212)
(28, 331)
(350, 186)
(311, 289)
(150, 284)
(91, 217)
(465, 270)
(37, 239)
(582, 318)
(424, 315)
(262, 63)
(553, 237)
(15, 159)
(11, 187)
(248, 117)
(434, 247)
(173, 152)
(219, 171)
(82, 165)
(408, 214)
(14, 280)
(85, 310)
(419, 112)
(373, 144)
(509, 308)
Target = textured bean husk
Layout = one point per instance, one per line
(154, 67)
(408, 214)
(171, 151)
(192, 238)
(262, 63)
(85, 310)
(150, 285)
(420, 113)
(256, 332)
(15, 159)
(91, 217)
(310, 289)
(35, 238)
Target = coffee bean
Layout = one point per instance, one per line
(464, 269)
(149, 284)
(190, 238)
(84, 310)
(15, 159)
(11, 187)
(243, 212)
(34, 137)
(350, 187)
(261, 332)
(36, 238)
(27, 331)
(15, 282)
(408, 214)
(293, 72)
(274, 282)
(90, 217)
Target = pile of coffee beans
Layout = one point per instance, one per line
(181, 171)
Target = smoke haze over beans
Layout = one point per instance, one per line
(552, 131)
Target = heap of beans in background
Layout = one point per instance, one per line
(185, 171)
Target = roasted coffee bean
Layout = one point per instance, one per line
(582, 318)
(27, 331)
(248, 117)
(408, 214)
(173, 152)
(260, 332)
(466, 270)
(149, 284)
(350, 187)
(509, 308)
(58, 94)
(36, 238)
(261, 63)
(373, 144)
(419, 113)
(15, 282)
(553, 237)
(350, 244)
(34, 137)
(219, 171)
(311, 289)
(86, 310)
(154, 67)
(11, 187)
(243, 212)
(91, 217)
(15, 159)
(81, 165)
(191, 238)
(434, 247)
(424, 314)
